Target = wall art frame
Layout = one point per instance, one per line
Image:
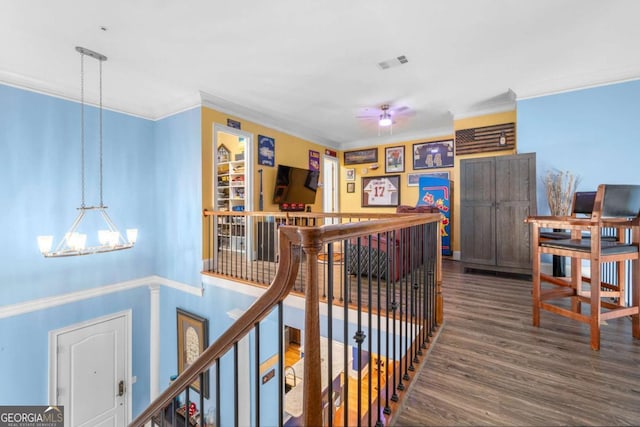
(380, 191)
(394, 159)
(434, 154)
(358, 157)
(193, 339)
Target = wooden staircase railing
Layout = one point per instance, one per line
(394, 266)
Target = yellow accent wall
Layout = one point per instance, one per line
(294, 151)
(351, 202)
(289, 150)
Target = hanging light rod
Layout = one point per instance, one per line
(74, 242)
(88, 52)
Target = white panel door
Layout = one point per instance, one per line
(91, 374)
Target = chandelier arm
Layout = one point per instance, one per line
(112, 226)
(72, 229)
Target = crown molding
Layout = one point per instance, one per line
(289, 127)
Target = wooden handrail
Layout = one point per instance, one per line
(311, 240)
(279, 289)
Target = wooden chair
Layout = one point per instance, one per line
(615, 206)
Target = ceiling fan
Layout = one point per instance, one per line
(385, 115)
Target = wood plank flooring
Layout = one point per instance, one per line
(490, 366)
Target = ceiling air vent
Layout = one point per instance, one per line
(390, 63)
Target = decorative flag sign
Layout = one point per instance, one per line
(331, 153)
(314, 160)
(266, 151)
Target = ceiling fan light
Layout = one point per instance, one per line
(385, 120)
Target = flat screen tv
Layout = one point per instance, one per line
(295, 185)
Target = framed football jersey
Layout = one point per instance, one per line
(381, 191)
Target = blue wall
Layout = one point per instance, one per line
(148, 167)
(591, 133)
(178, 189)
(40, 191)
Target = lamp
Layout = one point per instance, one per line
(74, 242)
(385, 119)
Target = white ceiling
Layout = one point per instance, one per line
(310, 67)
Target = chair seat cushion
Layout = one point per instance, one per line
(565, 235)
(584, 245)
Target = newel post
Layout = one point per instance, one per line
(312, 380)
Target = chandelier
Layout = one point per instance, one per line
(109, 238)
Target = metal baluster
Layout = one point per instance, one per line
(387, 304)
(256, 367)
(401, 263)
(345, 334)
(330, 334)
(359, 335)
(394, 308)
(379, 349)
(218, 411)
(281, 364)
(236, 390)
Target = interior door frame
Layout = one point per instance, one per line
(53, 355)
(335, 184)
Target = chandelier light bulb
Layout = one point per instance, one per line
(132, 235)
(45, 243)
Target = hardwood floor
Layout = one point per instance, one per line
(490, 366)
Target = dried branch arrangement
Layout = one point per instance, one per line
(560, 186)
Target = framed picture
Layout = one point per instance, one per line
(351, 187)
(361, 156)
(413, 179)
(380, 191)
(429, 155)
(350, 174)
(314, 160)
(193, 339)
(394, 159)
(266, 151)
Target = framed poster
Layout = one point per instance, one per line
(414, 178)
(361, 156)
(193, 339)
(429, 155)
(266, 151)
(394, 159)
(314, 160)
(380, 191)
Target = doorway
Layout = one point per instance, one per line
(330, 187)
(89, 370)
(232, 187)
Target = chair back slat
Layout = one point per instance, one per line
(619, 201)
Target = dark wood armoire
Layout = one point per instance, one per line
(496, 195)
